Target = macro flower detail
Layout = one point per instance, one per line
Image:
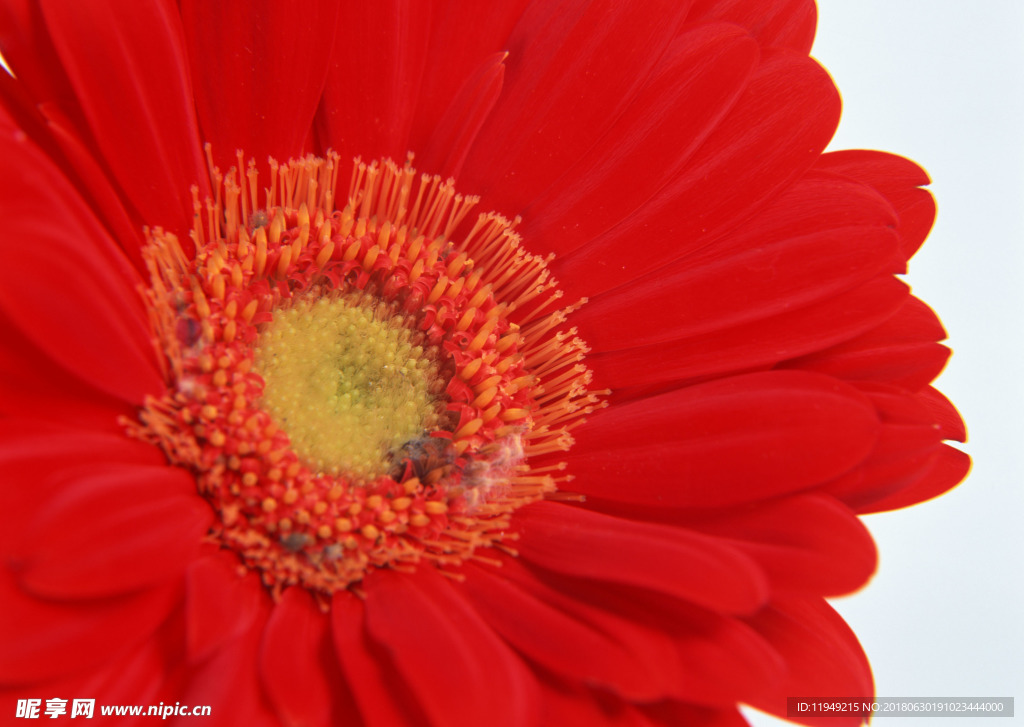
(344, 385)
(522, 363)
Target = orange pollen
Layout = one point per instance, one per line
(460, 326)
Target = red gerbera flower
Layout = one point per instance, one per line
(315, 443)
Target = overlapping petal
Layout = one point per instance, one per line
(558, 640)
(231, 677)
(46, 639)
(694, 85)
(904, 350)
(769, 375)
(754, 345)
(126, 64)
(112, 531)
(773, 134)
(297, 661)
(808, 543)
(822, 656)
(37, 457)
(448, 656)
(576, 542)
(589, 59)
(149, 672)
(239, 62)
(32, 385)
(910, 447)
(220, 603)
(788, 24)
(369, 668)
(726, 442)
(66, 285)
(802, 250)
(373, 78)
(896, 178)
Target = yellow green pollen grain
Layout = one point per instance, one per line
(346, 383)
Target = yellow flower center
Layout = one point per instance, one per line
(348, 382)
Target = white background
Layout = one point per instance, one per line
(942, 82)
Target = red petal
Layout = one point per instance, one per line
(64, 282)
(258, 69)
(695, 84)
(20, 111)
(127, 64)
(691, 298)
(690, 566)
(463, 36)
(557, 640)
(28, 50)
(112, 532)
(373, 81)
(683, 651)
(37, 457)
(896, 178)
(721, 659)
(591, 603)
(45, 639)
(368, 668)
(95, 187)
(149, 672)
(724, 660)
(459, 127)
(908, 444)
(670, 714)
(33, 452)
(770, 137)
(786, 24)
(823, 656)
(948, 469)
(951, 425)
(449, 656)
(820, 236)
(221, 601)
(806, 543)
(50, 129)
(229, 682)
(572, 706)
(747, 346)
(916, 209)
(902, 351)
(725, 442)
(32, 386)
(569, 68)
(296, 660)
(154, 673)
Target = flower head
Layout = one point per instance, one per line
(557, 405)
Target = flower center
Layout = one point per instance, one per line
(363, 387)
(348, 383)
